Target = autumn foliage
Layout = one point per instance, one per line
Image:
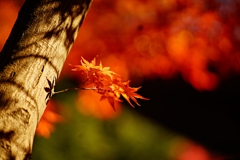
(49, 119)
(94, 77)
(106, 83)
(197, 39)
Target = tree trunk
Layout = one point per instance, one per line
(34, 52)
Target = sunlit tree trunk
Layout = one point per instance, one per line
(34, 52)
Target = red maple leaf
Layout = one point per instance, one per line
(107, 83)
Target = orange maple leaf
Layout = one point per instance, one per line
(107, 83)
(85, 65)
(95, 74)
(110, 95)
(106, 71)
(129, 93)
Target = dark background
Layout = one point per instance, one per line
(210, 118)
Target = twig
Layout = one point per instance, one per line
(61, 91)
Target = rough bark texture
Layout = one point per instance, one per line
(34, 52)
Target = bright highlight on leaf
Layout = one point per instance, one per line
(107, 83)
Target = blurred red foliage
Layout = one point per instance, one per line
(190, 151)
(89, 104)
(7, 19)
(194, 152)
(198, 39)
(48, 120)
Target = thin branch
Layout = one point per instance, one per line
(88, 88)
(61, 91)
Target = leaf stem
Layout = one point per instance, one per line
(88, 88)
(61, 91)
(64, 90)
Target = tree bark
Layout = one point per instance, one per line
(34, 52)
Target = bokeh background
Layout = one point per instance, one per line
(186, 56)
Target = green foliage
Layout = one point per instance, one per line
(83, 137)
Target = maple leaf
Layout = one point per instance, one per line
(129, 93)
(88, 65)
(110, 96)
(92, 67)
(85, 65)
(107, 83)
(97, 75)
(106, 71)
(78, 67)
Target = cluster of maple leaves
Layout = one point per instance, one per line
(95, 77)
(106, 82)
